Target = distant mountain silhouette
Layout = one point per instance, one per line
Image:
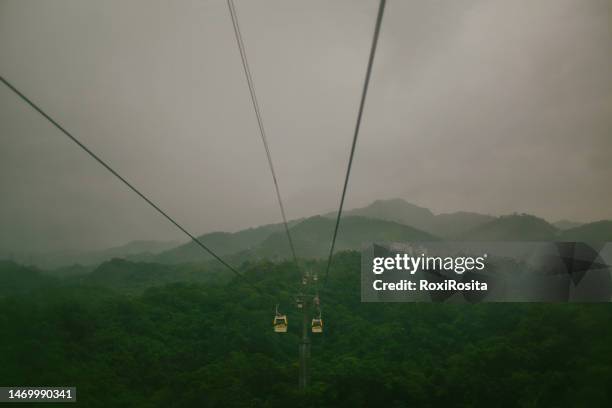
(141, 249)
(403, 212)
(223, 243)
(382, 220)
(457, 223)
(394, 210)
(594, 231)
(312, 237)
(566, 224)
(516, 227)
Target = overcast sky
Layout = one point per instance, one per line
(492, 106)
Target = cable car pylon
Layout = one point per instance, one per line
(307, 301)
(304, 349)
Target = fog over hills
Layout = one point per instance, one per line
(383, 220)
(594, 231)
(141, 249)
(403, 212)
(516, 227)
(566, 224)
(312, 236)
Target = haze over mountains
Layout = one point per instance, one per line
(382, 220)
(141, 248)
(402, 212)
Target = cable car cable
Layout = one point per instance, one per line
(262, 132)
(381, 9)
(127, 183)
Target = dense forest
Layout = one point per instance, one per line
(126, 335)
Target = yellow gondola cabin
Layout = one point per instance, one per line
(317, 325)
(280, 323)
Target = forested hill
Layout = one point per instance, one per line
(223, 243)
(516, 227)
(17, 279)
(311, 238)
(312, 235)
(383, 220)
(405, 213)
(137, 250)
(211, 344)
(595, 231)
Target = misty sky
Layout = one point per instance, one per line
(488, 106)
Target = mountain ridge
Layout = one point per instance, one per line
(382, 220)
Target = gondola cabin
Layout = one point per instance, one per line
(317, 325)
(280, 324)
